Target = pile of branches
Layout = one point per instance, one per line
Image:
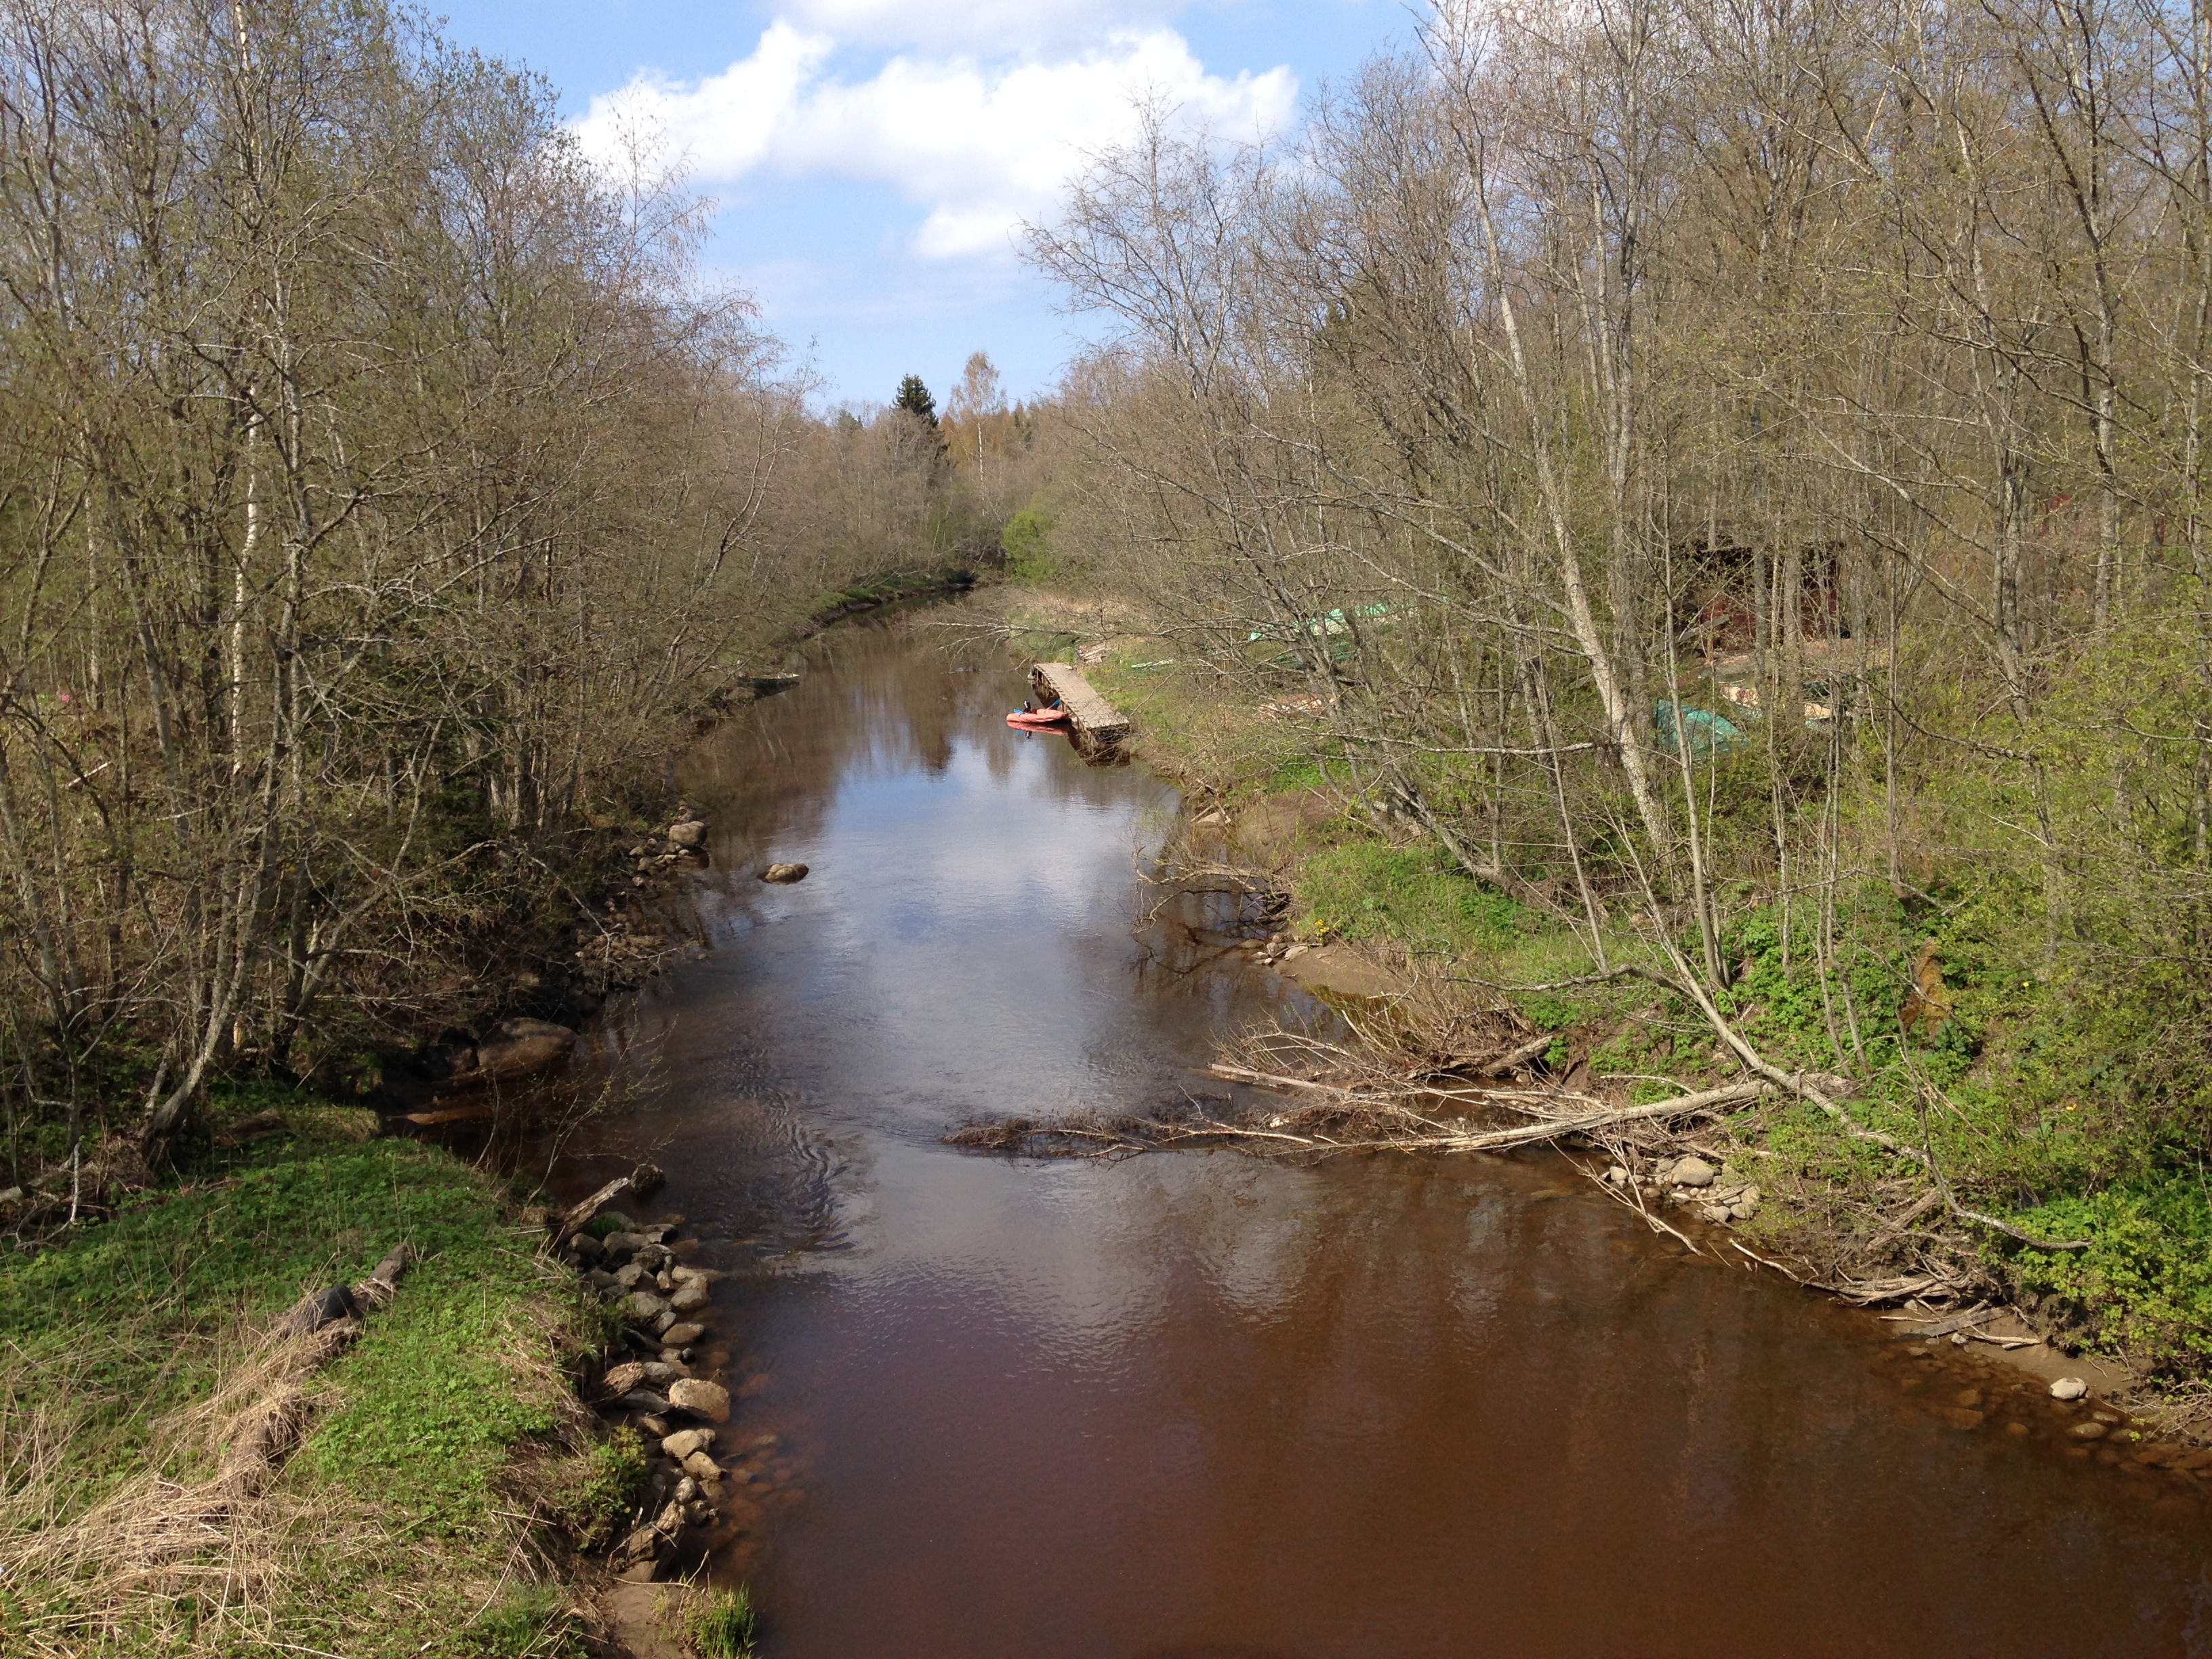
(1400, 1079)
(1423, 1076)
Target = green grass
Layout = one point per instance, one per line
(397, 1522)
(1365, 890)
(721, 1624)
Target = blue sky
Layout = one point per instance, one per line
(870, 158)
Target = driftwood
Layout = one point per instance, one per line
(1520, 1056)
(322, 1323)
(1966, 1321)
(1734, 1094)
(581, 1217)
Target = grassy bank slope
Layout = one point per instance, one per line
(434, 1468)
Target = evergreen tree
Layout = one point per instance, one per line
(914, 397)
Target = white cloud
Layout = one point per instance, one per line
(725, 124)
(983, 145)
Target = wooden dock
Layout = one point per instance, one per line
(1097, 725)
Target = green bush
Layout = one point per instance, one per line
(2144, 1286)
(1027, 540)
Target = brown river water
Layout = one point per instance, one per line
(1200, 1404)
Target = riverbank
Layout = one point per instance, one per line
(1942, 1046)
(321, 1391)
(189, 1470)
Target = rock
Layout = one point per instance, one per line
(2069, 1387)
(784, 872)
(2017, 1430)
(517, 1046)
(1692, 1172)
(2088, 1431)
(691, 1295)
(692, 832)
(604, 1282)
(639, 1572)
(667, 1322)
(681, 1445)
(700, 1467)
(652, 1427)
(643, 1307)
(617, 1221)
(1961, 1417)
(1617, 1175)
(642, 1400)
(682, 1336)
(1716, 1212)
(1968, 1397)
(588, 1248)
(658, 1372)
(701, 1399)
(631, 1274)
(621, 1379)
(648, 1179)
(13, 1195)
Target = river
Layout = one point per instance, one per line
(1208, 1405)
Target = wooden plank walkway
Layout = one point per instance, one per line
(1097, 724)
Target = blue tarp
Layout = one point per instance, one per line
(1709, 734)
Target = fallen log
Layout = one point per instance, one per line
(581, 1217)
(1520, 1055)
(1735, 1094)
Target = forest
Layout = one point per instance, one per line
(381, 489)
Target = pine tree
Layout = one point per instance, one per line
(914, 397)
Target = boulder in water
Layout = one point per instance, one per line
(701, 1399)
(784, 872)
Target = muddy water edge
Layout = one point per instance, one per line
(1206, 1405)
